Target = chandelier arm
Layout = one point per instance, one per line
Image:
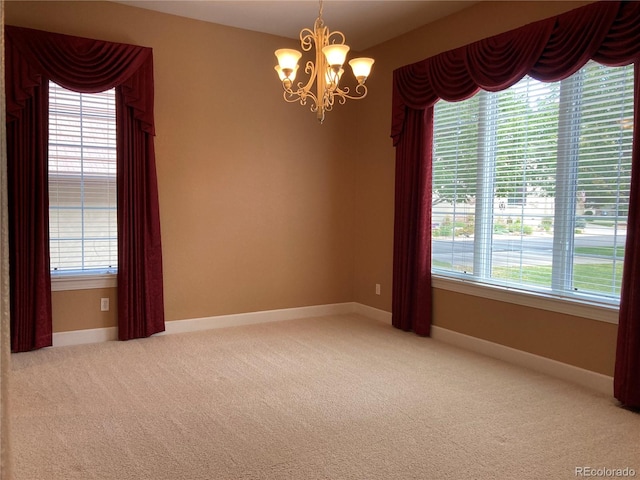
(301, 96)
(307, 37)
(341, 38)
(361, 90)
(310, 69)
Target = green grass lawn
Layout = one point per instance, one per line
(587, 277)
(607, 252)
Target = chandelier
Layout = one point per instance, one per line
(326, 73)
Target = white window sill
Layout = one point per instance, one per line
(83, 282)
(578, 308)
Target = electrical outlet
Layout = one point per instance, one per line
(377, 289)
(104, 304)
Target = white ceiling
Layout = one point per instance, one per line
(365, 23)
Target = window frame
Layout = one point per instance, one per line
(91, 281)
(586, 305)
(101, 277)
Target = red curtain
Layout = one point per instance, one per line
(549, 50)
(411, 295)
(626, 379)
(30, 282)
(32, 58)
(140, 292)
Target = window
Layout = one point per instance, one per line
(82, 182)
(531, 185)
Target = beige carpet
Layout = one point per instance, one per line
(339, 397)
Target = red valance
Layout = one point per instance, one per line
(79, 64)
(548, 50)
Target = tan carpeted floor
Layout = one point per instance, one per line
(340, 397)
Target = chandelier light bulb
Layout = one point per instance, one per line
(361, 68)
(288, 59)
(336, 55)
(333, 78)
(283, 76)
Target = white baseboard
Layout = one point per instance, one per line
(586, 378)
(371, 312)
(97, 335)
(234, 320)
(79, 337)
(570, 373)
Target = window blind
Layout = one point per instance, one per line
(531, 184)
(82, 181)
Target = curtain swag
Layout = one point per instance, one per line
(78, 64)
(549, 50)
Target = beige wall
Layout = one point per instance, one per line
(261, 207)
